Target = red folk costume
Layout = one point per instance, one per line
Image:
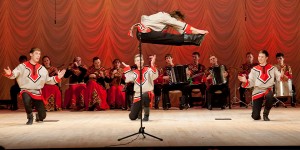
(74, 96)
(51, 93)
(95, 98)
(197, 73)
(116, 96)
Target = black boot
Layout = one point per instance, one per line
(146, 115)
(193, 39)
(156, 102)
(30, 119)
(266, 114)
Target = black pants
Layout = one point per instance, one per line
(155, 37)
(38, 104)
(242, 96)
(223, 96)
(157, 89)
(129, 92)
(137, 106)
(14, 91)
(189, 89)
(257, 105)
(171, 87)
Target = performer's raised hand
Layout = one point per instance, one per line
(7, 71)
(61, 73)
(153, 60)
(125, 65)
(242, 78)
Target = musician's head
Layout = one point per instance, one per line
(150, 57)
(263, 56)
(117, 63)
(77, 60)
(22, 58)
(196, 56)
(280, 58)
(177, 15)
(169, 59)
(249, 57)
(35, 55)
(139, 61)
(213, 60)
(46, 61)
(96, 62)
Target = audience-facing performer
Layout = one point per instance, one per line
(15, 89)
(288, 72)
(51, 93)
(95, 93)
(170, 85)
(152, 30)
(245, 70)
(262, 77)
(31, 77)
(116, 95)
(148, 75)
(196, 74)
(157, 84)
(217, 81)
(74, 96)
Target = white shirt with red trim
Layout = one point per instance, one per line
(262, 79)
(160, 20)
(149, 74)
(32, 78)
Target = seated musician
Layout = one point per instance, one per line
(217, 80)
(246, 68)
(157, 84)
(95, 94)
(51, 93)
(74, 96)
(116, 95)
(170, 85)
(196, 74)
(287, 71)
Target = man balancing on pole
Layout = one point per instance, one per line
(152, 30)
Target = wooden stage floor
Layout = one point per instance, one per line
(195, 127)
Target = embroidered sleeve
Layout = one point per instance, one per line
(15, 73)
(129, 75)
(250, 81)
(153, 73)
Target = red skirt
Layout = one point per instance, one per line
(116, 98)
(95, 97)
(74, 96)
(52, 97)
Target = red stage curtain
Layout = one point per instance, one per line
(90, 28)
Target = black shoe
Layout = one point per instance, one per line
(293, 105)
(30, 119)
(181, 107)
(266, 118)
(222, 107)
(193, 39)
(209, 107)
(146, 118)
(37, 118)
